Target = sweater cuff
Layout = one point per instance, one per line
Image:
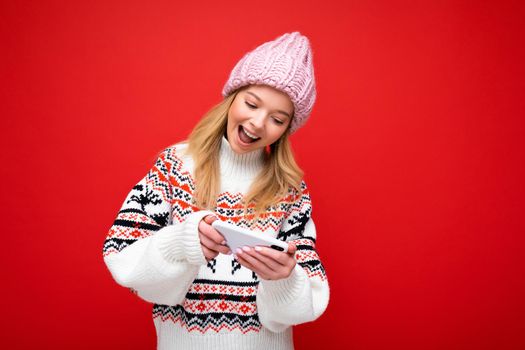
(181, 241)
(286, 290)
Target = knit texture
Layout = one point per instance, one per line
(286, 64)
(154, 250)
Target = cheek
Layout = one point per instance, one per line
(235, 114)
(276, 133)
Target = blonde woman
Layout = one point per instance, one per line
(236, 166)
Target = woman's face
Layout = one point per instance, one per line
(257, 117)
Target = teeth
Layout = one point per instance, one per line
(250, 135)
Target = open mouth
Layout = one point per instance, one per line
(245, 137)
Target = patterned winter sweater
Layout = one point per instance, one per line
(153, 248)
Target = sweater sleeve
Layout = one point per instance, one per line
(145, 250)
(304, 295)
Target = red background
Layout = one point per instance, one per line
(414, 156)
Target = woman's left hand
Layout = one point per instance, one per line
(268, 263)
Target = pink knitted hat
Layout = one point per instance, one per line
(285, 64)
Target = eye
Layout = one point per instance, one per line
(278, 121)
(250, 105)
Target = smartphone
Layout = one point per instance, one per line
(238, 237)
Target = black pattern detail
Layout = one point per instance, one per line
(313, 266)
(298, 223)
(228, 297)
(235, 266)
(137, 225)
(225, 283)
(254, 276)
(181, 194)
(117, 243)
(212, 264)
(149, 197)
(203, 321)
(161, 219)
(306, 247)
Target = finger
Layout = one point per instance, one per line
(278, 271)
(275, 255)
(209, 219)
(246, 264)
(212, 245)
(208, 254)
(282, 268)
(210, 232)
(292, 248)
(258, 266)
(224, 249)
(271, 263)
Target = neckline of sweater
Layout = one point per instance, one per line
(240, 166)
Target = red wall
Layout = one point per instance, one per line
(414, 156)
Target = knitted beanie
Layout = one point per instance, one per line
(284, 64)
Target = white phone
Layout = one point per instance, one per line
(238, 237)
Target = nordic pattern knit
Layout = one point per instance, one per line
(153, 248)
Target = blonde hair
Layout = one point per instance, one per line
(280, 172)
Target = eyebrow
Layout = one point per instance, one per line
(258, 98)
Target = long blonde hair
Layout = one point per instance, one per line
(279, 175)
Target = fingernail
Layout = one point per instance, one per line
(258, 248)
(246, 249)
(223, 242)
(239, 251)
(235, 256)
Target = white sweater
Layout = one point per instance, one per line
(153, 248)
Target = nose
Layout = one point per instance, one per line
(257, 121)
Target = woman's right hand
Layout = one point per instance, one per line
(212, 242)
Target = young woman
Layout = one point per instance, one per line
(237, 166)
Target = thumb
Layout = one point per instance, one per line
(292, 248)
(209, 219)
